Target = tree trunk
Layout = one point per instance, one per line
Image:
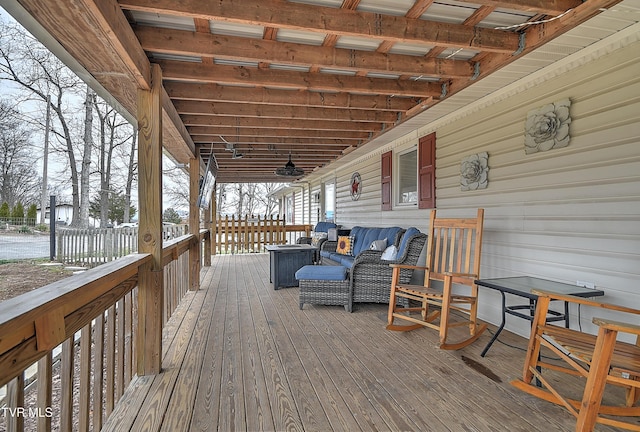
(240, 199)
(86, 159)
(130, 175)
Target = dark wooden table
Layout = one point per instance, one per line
(521, 286)
(285, 260)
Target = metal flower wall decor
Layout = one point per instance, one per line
(474, 170)
(547, 127)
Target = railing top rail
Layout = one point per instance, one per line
(35, 322)
(67, 294)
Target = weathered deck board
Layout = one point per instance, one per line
(206, 415)
(239, 355)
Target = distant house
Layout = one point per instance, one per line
(63, 215)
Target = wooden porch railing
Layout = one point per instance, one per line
(251, 234)
(81, 329)
(94, 246)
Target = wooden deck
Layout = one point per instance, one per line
(240, 356)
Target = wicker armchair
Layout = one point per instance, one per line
(371, 277)
(321, 227)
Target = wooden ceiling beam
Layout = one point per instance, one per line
(266, 165)
(186, 43)
(198, 72)
(219, 93)
(547, 7)
(317, 125)
(269, 162)
(234, 132)
(266, 150)
(228, 109)
(344, 22)
(216, 140)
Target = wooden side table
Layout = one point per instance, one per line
(285, 260)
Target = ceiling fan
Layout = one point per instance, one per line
(289, 170)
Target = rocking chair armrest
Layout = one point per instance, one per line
(407, 266)
(619, 326)
(586, 301)
(462, 275)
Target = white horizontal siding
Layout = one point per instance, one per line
(567, 214)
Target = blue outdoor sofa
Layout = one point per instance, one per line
(363, 276)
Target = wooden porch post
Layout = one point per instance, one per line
(207, 243)
(214, 221)
(194, 224)
(150, 282)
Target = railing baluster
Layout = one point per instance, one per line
(120, 348)
(98, 371)
(85, 377)
(15, 400)
(110, 359)
(44, 383)
(66, 384)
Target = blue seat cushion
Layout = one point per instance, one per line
(316, 272)
(347, 260)
(335, 256)
(324, 226)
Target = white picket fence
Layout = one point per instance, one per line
(94, 246)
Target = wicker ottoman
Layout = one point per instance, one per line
(325, 285)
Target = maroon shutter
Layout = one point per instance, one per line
(427, 171)
(386, 180)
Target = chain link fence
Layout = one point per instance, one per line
(16, 245)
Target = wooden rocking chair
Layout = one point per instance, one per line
(600, 359)
(453, 261)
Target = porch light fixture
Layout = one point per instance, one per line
(289, 170)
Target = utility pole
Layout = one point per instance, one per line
(45, 162)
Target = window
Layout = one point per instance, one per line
(407, 177)
(329, 202)
(416, 178)
(289, 209)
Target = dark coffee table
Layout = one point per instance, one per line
(285, 260)
(521, 286)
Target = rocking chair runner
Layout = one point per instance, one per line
(600, 359)
(453, 261)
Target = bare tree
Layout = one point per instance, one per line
(19, 181)
(246, 198)
(175, 185)
(24, 61)
(114, 132)
(223, 204)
